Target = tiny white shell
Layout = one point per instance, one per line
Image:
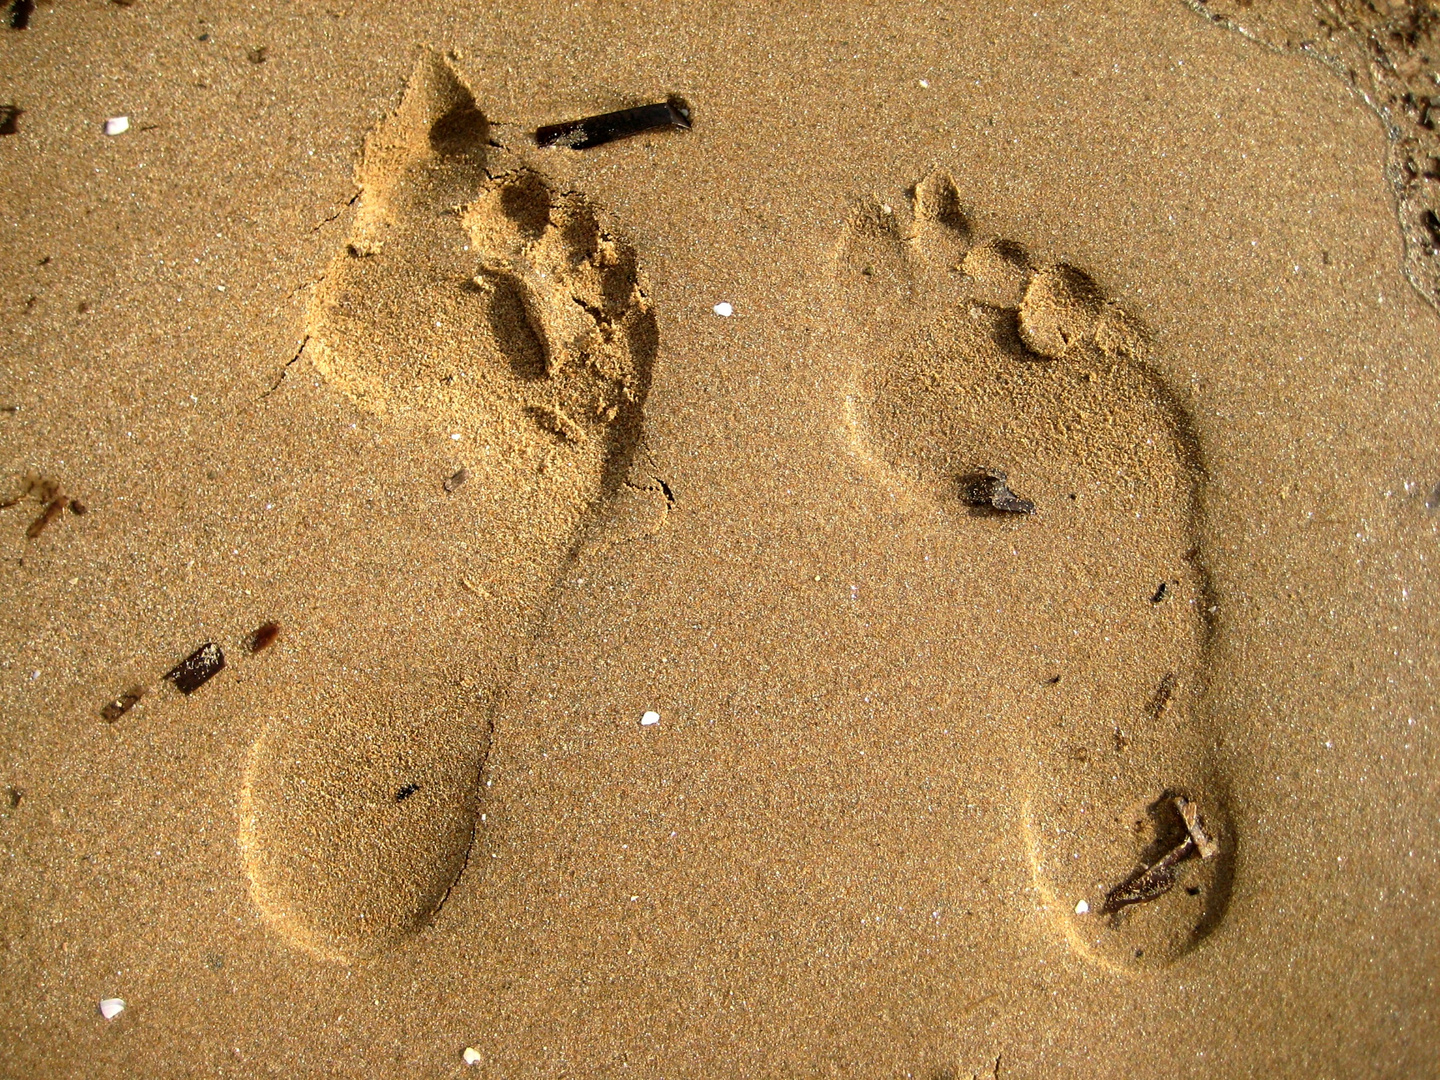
(650, 719)
(117, 125)
(111, 1007)
(471, 1056)
(1082, 908)
(724, 309)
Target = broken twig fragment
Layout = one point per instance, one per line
(197, 669)
(987, 489)
(20, 12)
(673, 112)
(1195, 826)
(114, 710)
(1151, 882)
(49, 514)
(1159, 878)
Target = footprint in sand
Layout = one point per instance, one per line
(470, 297)
(977, 361)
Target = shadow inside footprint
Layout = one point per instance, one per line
(1018, 397)
(507, 313)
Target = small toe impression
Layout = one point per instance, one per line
(942, 228)
(1059, 311)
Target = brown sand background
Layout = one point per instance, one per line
(816, 864)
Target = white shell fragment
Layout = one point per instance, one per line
(650, 719)
(471, 1056)
(724, 309)
(1082, 908)
(117, 125)
(111, 1007)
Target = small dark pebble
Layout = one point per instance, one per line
(122, 704)
(259, 54)
(10, 119)
(460, 476)
(78, 508)
(14, 796)
(1160, 593)
(406, 791)
(197, 669)
(987, 489)
(1052, 680)
(262, 637)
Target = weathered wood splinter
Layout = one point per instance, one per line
(673, 112)
(1159, 878)
(989, 489)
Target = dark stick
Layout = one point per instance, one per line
(196, 669)
(673, 112)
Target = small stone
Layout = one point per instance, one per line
(471, 1056)
(111, 1007)
(1082, 908)
(117, 125)
(724, 309)
(262, 637)
(650, 719)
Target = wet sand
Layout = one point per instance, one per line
(1170, 279)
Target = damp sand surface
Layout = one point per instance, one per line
(928, 572)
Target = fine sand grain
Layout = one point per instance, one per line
(928, 572)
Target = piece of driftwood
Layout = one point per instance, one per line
(989, 489)
(1153, 881)
(673, 112)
